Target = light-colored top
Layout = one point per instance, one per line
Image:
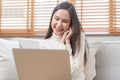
(77, 63)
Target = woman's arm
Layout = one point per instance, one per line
(77, 62)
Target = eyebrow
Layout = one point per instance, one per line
(62, 19)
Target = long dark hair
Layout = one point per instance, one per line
(75, 24)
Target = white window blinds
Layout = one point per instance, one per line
(32, 17)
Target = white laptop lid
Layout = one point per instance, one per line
(42, 64)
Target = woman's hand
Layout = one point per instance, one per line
(67, 36)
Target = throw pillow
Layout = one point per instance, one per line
(7, 65)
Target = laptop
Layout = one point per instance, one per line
(42, 64)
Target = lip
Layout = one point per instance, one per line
(59, 30)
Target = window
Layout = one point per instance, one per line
(14, 17)
(31, 17)
(100, 16)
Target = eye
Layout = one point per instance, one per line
(57, 19)
(65, 21)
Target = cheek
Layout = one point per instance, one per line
(52, 24)
(66, 27)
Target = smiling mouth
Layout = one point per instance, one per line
(59, 30)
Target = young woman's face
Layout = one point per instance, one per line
(60, 22)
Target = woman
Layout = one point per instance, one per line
(65, 32)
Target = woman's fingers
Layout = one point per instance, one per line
(68, 37)
(64, 36)
(69, 34)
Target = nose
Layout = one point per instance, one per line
(59, 24)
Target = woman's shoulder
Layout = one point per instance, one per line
(83, 35)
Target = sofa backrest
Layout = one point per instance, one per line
(107, 58)
(108, 61)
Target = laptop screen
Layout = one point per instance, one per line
(42, 64)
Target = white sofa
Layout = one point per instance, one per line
(108, 61)
(107, 58)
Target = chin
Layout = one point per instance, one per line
(59, 34)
